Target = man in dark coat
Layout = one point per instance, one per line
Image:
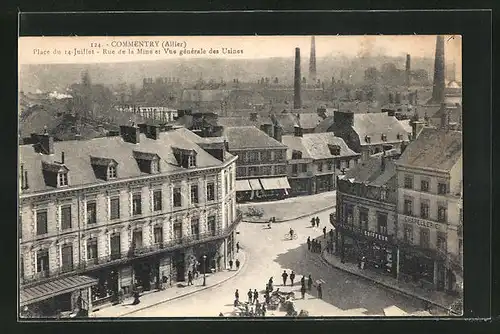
(250, 295)
(231, 264)
(313, 221)
(236, 297)
(309, 282)
(331, 233)
(317, 221)
(190, 278)
(319, 246)
(255, 296)
(309, 243)
(303, 291)
(285, 276)
(238, 247)
(237, 264)
(292, 277)
(320, 291)
(303, 281)
(324, 232)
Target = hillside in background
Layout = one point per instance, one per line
(50, 77)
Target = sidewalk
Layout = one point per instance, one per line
(291, 208)
(436, 298)
(176, 291)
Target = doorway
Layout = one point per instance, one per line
(180, 266)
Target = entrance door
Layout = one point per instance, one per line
(143, 275)
(180, 266)
(441, 277)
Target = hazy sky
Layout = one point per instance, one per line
(40, 50)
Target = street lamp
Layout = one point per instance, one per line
(204, 270)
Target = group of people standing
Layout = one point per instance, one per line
(253, 299)
(237, 263)
(315, 222)
(313, 245)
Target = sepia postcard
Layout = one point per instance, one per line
(240, 176)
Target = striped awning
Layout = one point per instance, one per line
(37, 293)
(243, 185)
(271, 183)
(255, 184)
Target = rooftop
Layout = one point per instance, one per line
(324, 125)
(315, 146)
(78, 157)
(370, 171)
(244, 137)
(375, 125)
(434, 148)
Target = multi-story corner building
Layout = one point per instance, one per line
(104, 216)
(370, 133)
(314, 161)
(261, 165)
(429, 175)
(366, 221)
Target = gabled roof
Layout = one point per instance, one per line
(324, 125)
(78, 157)
(370, 171)
(434, 148)
(315, 146)
(243, 137)
(375, 125)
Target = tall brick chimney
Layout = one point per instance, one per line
(408, 70)
(438, 81)
(297, 100)
(312, 62)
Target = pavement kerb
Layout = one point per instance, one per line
(391, 287)
(290, 219)
(236, 272)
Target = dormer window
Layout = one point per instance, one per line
(367, 139)
(111, 172)
(191, 161)
(398, 136)
(384, 137)
(148, 162)
(62, 179)
(334, 149)
(296, 154)
(185, 157)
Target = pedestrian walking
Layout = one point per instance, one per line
(313, 221)
(136, 298)
(255, 296)
(236, 297)
(303, 291)
(320, 291)
(331, 233)
(190, 278)
(324, 232)
(270, 284)
(250, 295)
(303, 281)
(319, 247)
(231, 264)
(238, 247)
(237, 264)
(309, 243)
(317, 221)
(309, 282)
(274, 220)
(285, 276)
(292, 278)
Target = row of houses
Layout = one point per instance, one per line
(401, 214)
(101, 218)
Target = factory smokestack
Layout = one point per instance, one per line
(408, 70)
(297, 101)
(312, 62)
(438, 85)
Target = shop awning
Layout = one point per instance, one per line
(272, 183)
(255, 184)
(243, 185)
(283, 181)
(54, 288)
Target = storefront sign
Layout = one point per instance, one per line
(421, 222)
(375, 235)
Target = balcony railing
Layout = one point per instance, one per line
(116, 258)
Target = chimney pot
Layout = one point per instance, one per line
(62, 158)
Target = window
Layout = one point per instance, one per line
(329, 165)
(424, 185)
(252, 171)
(195, 227)
(157, 200)
(303, 168)
(42, 261)
(226, 183)
(211, 225)
(349, 215)
(441, 241)
(136, 204)
(241, 171)
(62, 179)
(320, 167)
(177, 197)
(41, 222)
(194, 193)
(296, 154)
(408, 182)
(111, 172)
(210, 191)
(280, 170)
(92, 248)
(158, 234)
(363, 219)
(114, 208)
(384, 137)
(137, 239)
(442, 189)
(177, 231)
(278, 155)
(294, 169)
(155, 166)
(408, 233)
(265, 170)
(383, 194)
(424, 237)
(91, 213)
(253, 156)
(337, 164)
(265, 156)
(67, 258)
(408, 207)
(65, 217)
(115, 246)
(191, 161)
(382, 223)
(441, 214)
(424, 210)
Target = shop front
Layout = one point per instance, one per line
(208, 257)
(147, 273)
(300, 186)
(107, 287)
(419, 268)
(179, 266)
(324, 183)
